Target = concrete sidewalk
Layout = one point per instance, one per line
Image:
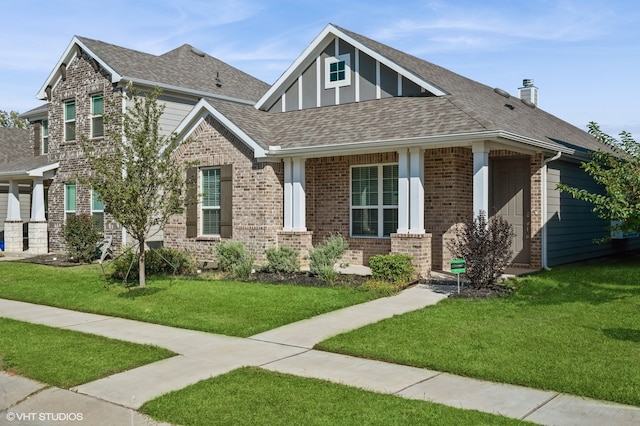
(202, 355)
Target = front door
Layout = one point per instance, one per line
(511, 198)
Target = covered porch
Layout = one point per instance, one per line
(28, 179)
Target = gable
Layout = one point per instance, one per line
(337, 69)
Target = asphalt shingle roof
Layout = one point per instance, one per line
(184, 67)
(14, 144)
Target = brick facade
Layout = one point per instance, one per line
(257, 193)
(82, 81)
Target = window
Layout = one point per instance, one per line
(97, 109)
(374, 200)
(97, 211)
(337, 71)
(69, 120)
(69, 200)
(210, 201)
(45, 137)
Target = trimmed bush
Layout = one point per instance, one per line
(81, 236)
(396, 268)
(382, 287)
(486, 247)
(323, 257)
(163, 261)
(234, 259)
(282, 259)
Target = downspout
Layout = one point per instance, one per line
(544, 208)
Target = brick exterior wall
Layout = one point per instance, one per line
(257, 193)
(536, 211)
(448, 196)
(81, 82)
(418, 247)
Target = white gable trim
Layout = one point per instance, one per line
(69, 54)
(315, 48)
(199, 113)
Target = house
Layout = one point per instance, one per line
(355, 138)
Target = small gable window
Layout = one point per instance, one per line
(337, 71)
(69, 120)
(45, 137)
(97, 109)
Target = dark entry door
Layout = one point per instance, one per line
(511, 198)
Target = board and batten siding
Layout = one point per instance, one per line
(572, 227)
(370, 80)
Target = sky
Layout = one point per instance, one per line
(583, 55)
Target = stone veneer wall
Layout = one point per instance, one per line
(81, 82)
(257, 193)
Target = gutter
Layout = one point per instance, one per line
(545, 215)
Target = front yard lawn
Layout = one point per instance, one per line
(65, 358)
(225, 307)
(575, 329)
(251, 396)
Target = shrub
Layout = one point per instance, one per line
(163, 261)
(282, 259)
(396, 268)
(234, 259)
(81, 236)
(327, 254)
(486, 247)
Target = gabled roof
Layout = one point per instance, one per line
(185, 69)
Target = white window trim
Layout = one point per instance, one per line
(64, 112)
(97, 115)
(66, 197)
(347, 71)
(201, 206)
(44, 138)
(380, 207)
(93, 211)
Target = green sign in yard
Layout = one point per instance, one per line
(458, 266)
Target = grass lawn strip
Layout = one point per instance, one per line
(575, 329)
(224, 307)
(250, 396)
(66, 358)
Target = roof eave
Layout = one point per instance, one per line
(459, 139)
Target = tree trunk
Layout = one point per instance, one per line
(141, 268)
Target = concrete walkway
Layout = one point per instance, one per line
(114, 400)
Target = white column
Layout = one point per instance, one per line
(480, 178)
(13, 204)
(416, 195)
(403, 192)
(299, 196)
(288, 195)
(37, 202)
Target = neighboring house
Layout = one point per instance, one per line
(354, 138)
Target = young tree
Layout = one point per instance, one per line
(12, 119)
(618, 172)
(134, 171)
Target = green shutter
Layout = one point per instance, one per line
(37, 137)
(192, 202)
(226, 201)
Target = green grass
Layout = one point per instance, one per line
(575, 329)
(225, 307)
(65, 358)
(250, 396)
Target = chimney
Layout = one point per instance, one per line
(529, 92)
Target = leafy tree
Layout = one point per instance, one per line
(11, 119)
(617, 170)
(134, 169)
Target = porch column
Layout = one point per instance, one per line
(294, 195)
(403, 192)
(13, 241)
(13, 204)
(38, 238)
(480, 178)
(416, 194)
(37, 201)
